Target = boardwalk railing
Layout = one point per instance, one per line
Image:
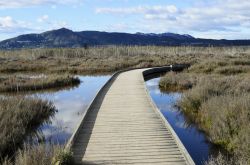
(178, 141)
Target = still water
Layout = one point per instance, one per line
(71, 104)
(194, 140)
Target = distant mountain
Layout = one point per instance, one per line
(174, 35)
(67, 38)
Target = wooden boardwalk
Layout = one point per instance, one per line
(123, 126)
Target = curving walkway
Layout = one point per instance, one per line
(123, 126)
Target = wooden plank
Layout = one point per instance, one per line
(122, 127)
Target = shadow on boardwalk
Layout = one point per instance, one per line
(87, 128)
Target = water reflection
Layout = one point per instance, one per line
(71, 104)
(194, 140)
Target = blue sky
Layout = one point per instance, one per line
(218, 19)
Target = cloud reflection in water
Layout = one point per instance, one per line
(71, 104)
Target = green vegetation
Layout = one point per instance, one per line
(15, 83)
(20, 118)
(217, 98)
(63, 158)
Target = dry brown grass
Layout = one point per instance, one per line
(223, 65)
(17, 83)
(41, 155)
(221, 108)
(109, 59)
(223, 75)
(177, 81)
(218, 102)
(221, 159)
(226, 120)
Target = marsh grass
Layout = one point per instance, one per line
(232, 70)
(226, 120)
(177, 81)
(15, 83)
(110, 58)
(220, 160)
(41, 154)
(217, 99)
(99, 60)
(223, 65)
(20, 118)
(217, 76)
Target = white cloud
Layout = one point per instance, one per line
(27, 3)
(138, 10)
(6, 22)
(9, 25)
(52, 24)
(227, 16)
(43, 18)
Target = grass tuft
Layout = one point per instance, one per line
(177, 81)
(41, 155)
(20, 118)
(13, 83)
